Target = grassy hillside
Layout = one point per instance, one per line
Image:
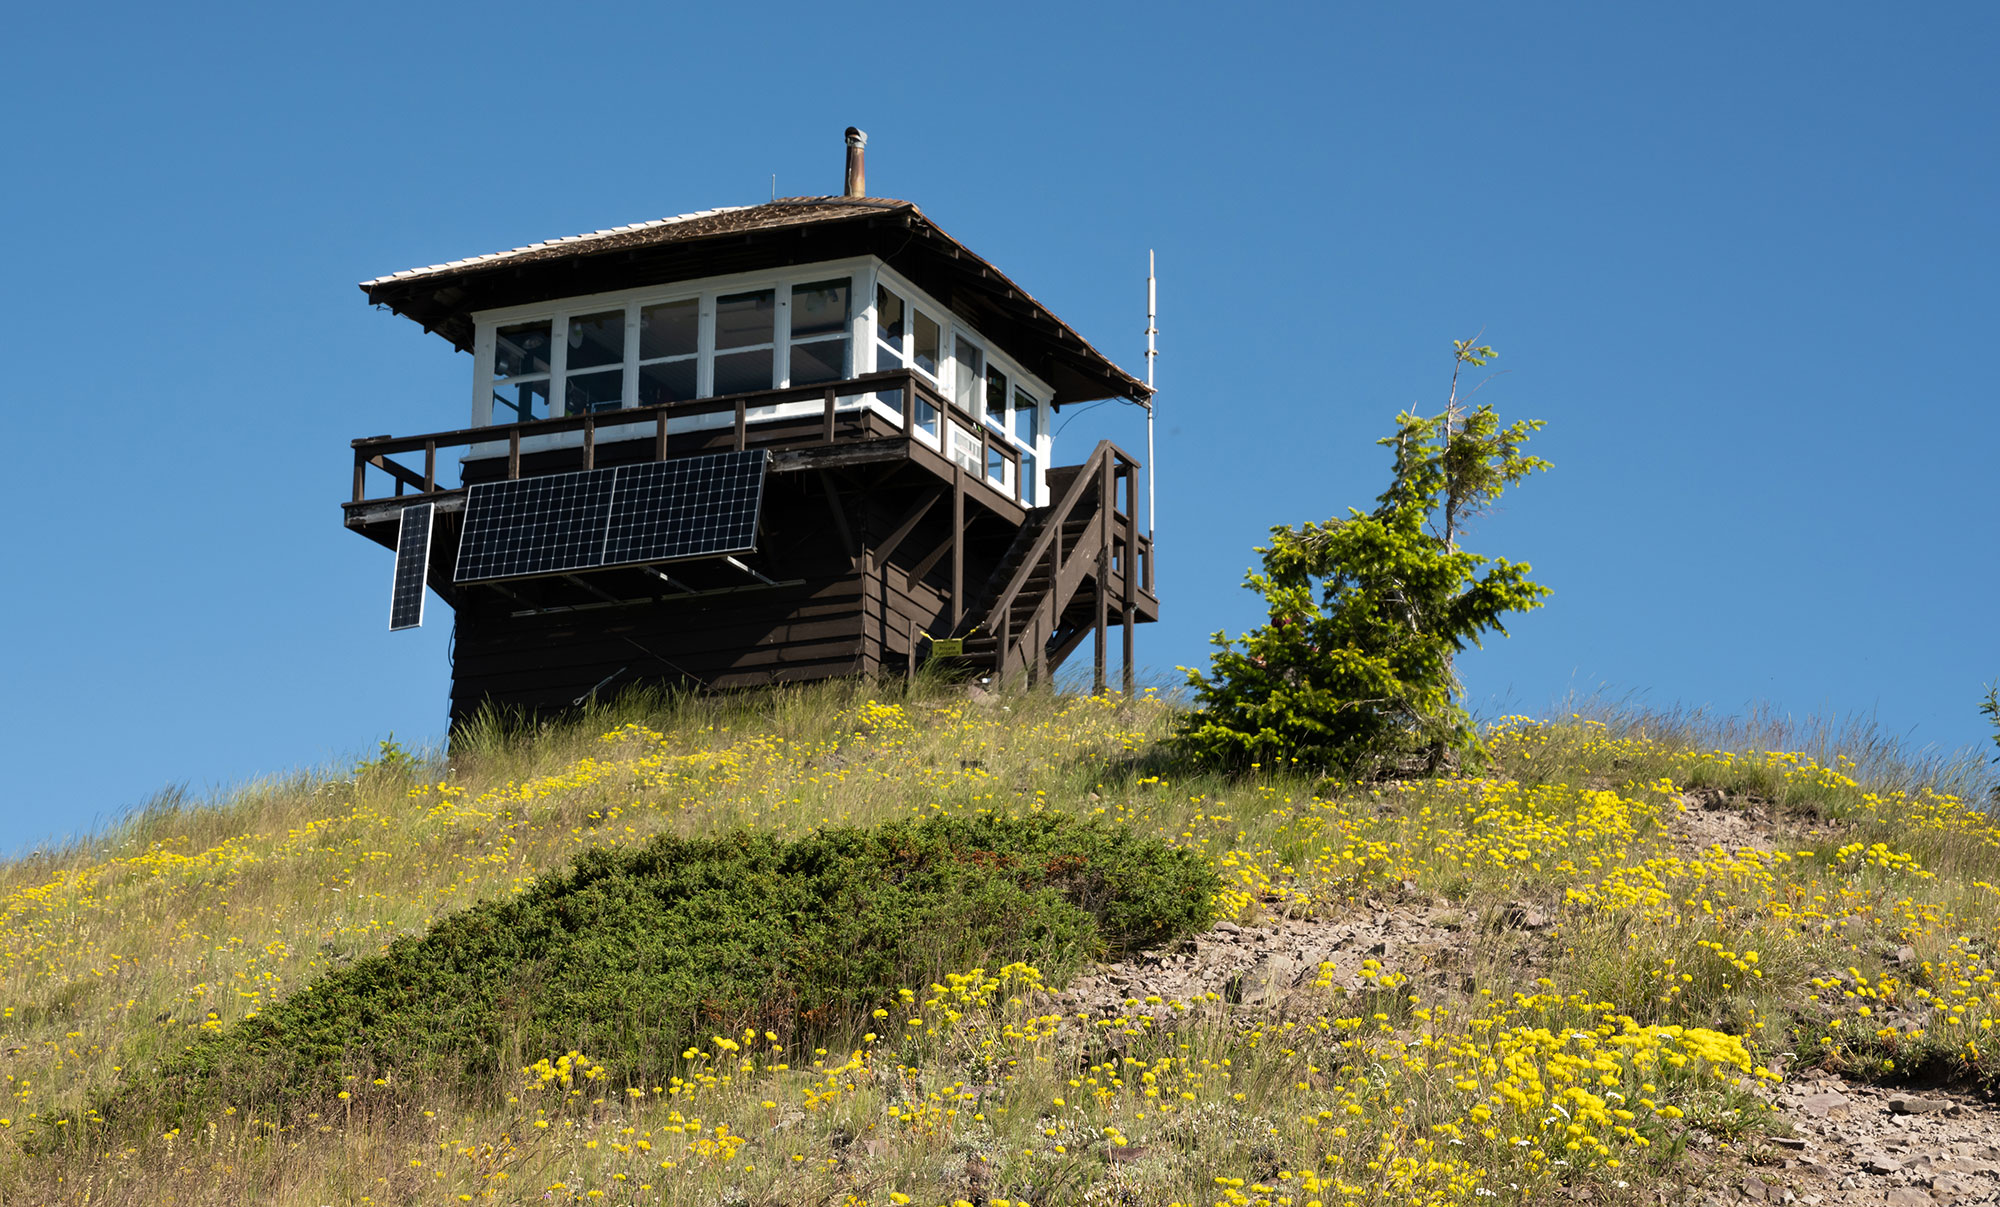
(1633, 963)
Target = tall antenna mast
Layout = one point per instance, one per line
(1152, 329)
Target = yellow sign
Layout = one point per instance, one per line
(947, 647)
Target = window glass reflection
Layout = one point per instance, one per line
(741, 372)
(819, 309)
(745, 319)
(602, 391)
(596, 339)
(669, 329)
(929, 344)
(668, 381)
(818, 361)
(521, 349)
(1027, 418)
(968, 376)
(996, 397)
(889, 320)
(518, 401)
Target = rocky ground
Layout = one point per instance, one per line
(1851, 1143)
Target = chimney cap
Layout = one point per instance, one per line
(857, 137)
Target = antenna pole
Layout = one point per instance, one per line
(1152, 330)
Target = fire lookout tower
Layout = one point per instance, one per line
(753, 445)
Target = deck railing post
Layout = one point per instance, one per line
(360, 475)
(590, 440)
(742, 412)
(831, 400)
(1107, 505)
(660, 435)
(513, 453)
(430, 466)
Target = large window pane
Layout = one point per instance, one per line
(743, 320)
(929, 344)
(968, 378)
(741, 372)
(890, 323)
(1027, 418)
(669, 329)
(601, 391)
(596, 339)
(515, 401)
(1026, 482)
(996, 398)
(818, 361)
(668, 381)
(819, 309)
(521, 349)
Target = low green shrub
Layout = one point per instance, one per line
(634, 955)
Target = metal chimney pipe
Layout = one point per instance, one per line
(857, 168)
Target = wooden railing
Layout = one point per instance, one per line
(378, 452)
(1111, 549)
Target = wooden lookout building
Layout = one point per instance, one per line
(751, 445)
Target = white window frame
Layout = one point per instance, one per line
(864, 274)
(1019, 379)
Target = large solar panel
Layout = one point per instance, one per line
(694, 507)
(413, 558)
(547, 525)
(621, 516)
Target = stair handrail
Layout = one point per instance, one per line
(1052, 522)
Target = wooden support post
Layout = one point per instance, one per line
(1107, 486)
(1045, 627)
(360, 475)
(910, 671)
(430, 466)
(1129, 579)
(513, 453)
(1000, 649)
(660, 435)
(590, 440)
(741, 420)
(826, 437)
(957, 547)
(1099, 623)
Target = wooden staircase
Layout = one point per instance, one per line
(1077, 567)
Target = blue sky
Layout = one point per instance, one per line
(1740, 258)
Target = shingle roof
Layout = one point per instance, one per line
(711, 242)
(723, 220)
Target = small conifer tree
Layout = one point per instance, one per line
(1353, 673)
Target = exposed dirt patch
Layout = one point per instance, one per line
(1264, 967)
(1710, 817)
(1861, 1144)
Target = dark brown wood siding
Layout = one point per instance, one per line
(847, 604)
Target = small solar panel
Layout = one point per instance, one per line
(692, 507)
(413, 559)
(547, 525)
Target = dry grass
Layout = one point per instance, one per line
(1669, 985)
